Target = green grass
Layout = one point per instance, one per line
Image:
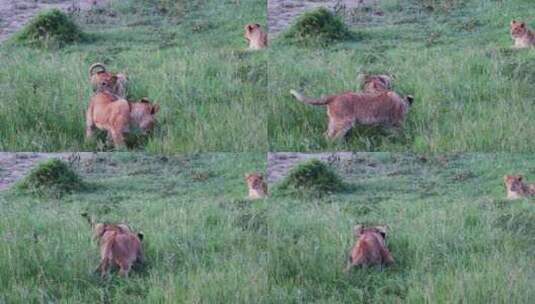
(454, 237)
(472, 91)
(188, 56)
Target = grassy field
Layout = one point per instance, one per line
(472, 91)
(189, 56)
(453, 236)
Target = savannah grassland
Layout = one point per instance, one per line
(472, 91)
(453, 236)
(188, 56)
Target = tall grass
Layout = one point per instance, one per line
(472, 91)
(212, 93)
(453, 236)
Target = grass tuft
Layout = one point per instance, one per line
(312, 177)
(51, 178)
(319, 26)
(50, 28)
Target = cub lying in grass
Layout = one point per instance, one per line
(370, 248)
(384, 108)
(103, 80)
(116, 115)
(522, 35)
(257, 186)
(118, 245)
(255, 36)
(516, 188)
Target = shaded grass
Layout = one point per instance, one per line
(472, 91)
(212, 92)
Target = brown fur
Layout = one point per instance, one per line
(119, 245)
(516, 188)
(106, 81)
(522, 35)
(375, 83)
(115, 115)
(257, 186)
(255, 36)
(370, 247)
(345, 110)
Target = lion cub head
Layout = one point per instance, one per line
(257, 186)
(143, 114)
(518, 29)
(370, 247)
(516, 188)
(255, 36)
(103, 80)
(375, 83)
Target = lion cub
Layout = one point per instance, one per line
(384, 108)
(255, 36)
(257, 186)
(116, 115)
(516, 188)
(105, 81)
(522, 35)
(370, 248)
(118, 244)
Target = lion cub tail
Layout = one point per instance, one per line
(316, 102)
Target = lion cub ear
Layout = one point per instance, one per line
(140, 235)
(410, 99)
(513, 22)
(257, 25)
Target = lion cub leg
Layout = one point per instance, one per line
(337, 130)
(89, 124)
(118, 138)
(124, 269)
(104, 267)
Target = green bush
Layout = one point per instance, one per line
(319, 26)
(50, 28)
(312, 178)
(51, 178)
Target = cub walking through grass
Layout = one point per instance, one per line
(345, 110)
(370, 248)
(118, 244)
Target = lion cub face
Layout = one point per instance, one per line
(103, 80)
(370, 247)
(257, 186)
(256, 37)
(516, 188)
(518, 29)
(375, 83)
(143, 114)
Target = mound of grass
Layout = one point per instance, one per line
(319, 26)
(51, 178)
(50, 28)
(312, 177)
